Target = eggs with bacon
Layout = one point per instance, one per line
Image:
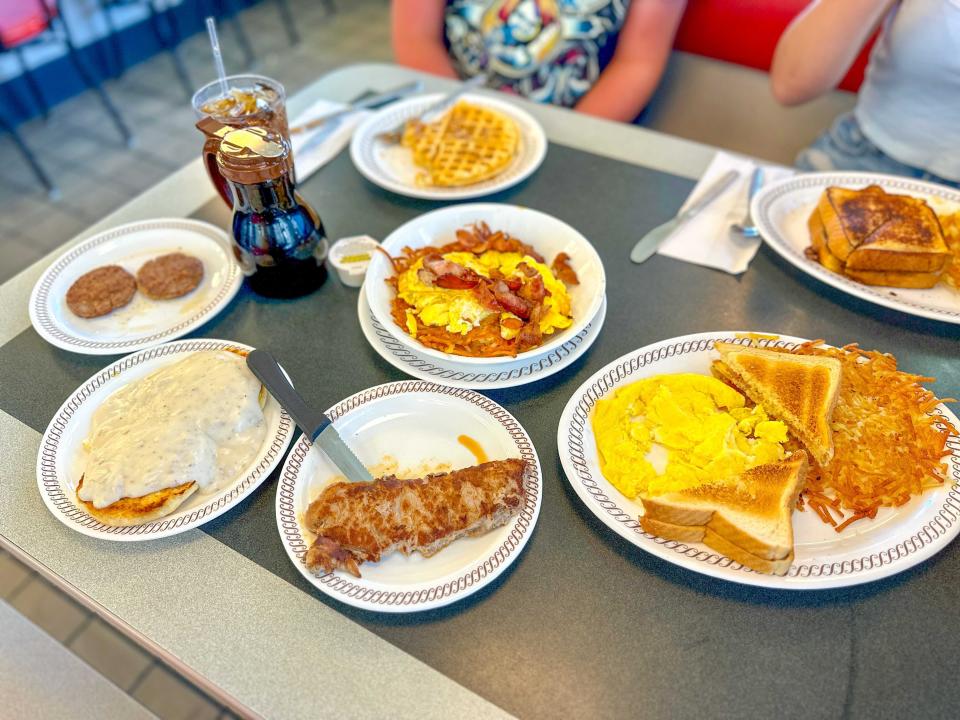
(460, 310)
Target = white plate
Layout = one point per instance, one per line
(414, 423)
(545, 233)
(391, 166)
(897, 539)
(781, 209)
(143, 322)
(60, 461)
(519, 371)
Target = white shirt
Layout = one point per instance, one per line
(909, 103)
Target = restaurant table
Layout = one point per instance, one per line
(583, 623)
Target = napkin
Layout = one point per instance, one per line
(314, 149)
(706, 239)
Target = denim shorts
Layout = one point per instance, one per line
(845, 147)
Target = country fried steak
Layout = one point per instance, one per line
(170, 276)
(357, 522)
(101, 291)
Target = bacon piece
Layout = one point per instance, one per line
(534, 290)
(514, 283)
(530, 335)
(484, 294)
(472, 242)
(527, 270)
(510, 301)
(363, 521)
(449, 274)
(426, 277)
(561, 268)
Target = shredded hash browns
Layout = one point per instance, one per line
(888, 447)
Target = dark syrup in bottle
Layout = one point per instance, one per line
(278, 238)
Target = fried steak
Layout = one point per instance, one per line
(357, 522)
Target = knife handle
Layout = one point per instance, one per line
(268, 371)
(714, 191)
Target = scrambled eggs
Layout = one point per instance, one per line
(459, 311)
(671, 432)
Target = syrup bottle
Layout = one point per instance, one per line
(278, 238)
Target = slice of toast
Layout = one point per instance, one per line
(747, 518)
(886, 278)
(850, 215)
(686, 534)
(800, 390)
(889, 278)
(871, 229)
(818, 240)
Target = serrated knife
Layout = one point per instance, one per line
(314, 424)
(652, 240)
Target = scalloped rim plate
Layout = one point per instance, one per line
(143, 322)
(780, 210)
(58, 468)
(897, 539)
(414, 422)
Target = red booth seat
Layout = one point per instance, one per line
(745, 32)
(22, 20)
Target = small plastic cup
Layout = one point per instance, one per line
(351, 257)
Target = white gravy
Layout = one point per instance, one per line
(196, 420)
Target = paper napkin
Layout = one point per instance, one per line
(706, 239)
(314, 149)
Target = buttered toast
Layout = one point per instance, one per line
(747, 518)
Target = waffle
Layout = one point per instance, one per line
(467, 145)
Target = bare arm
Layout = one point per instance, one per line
(817, 49)
(628, 81)
(417, 31)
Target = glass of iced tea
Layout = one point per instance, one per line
(250, 100)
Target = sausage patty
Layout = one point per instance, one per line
(101, 291)
(169, 276)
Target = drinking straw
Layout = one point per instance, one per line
(217, 55)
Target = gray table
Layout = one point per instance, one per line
(583, 623)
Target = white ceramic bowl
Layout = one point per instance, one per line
(546, 234)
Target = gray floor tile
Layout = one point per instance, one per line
(171, 698)
(15, 255)
(48, 229)
(48, 608)
(13, 574)
(110, 654)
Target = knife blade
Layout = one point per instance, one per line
(649, 243)
(314, 423)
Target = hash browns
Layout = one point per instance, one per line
(888, 447)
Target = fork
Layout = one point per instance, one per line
(394, 134)
(747, 228)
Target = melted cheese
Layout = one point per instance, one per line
(196, 420)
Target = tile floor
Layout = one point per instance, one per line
(96, 173)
